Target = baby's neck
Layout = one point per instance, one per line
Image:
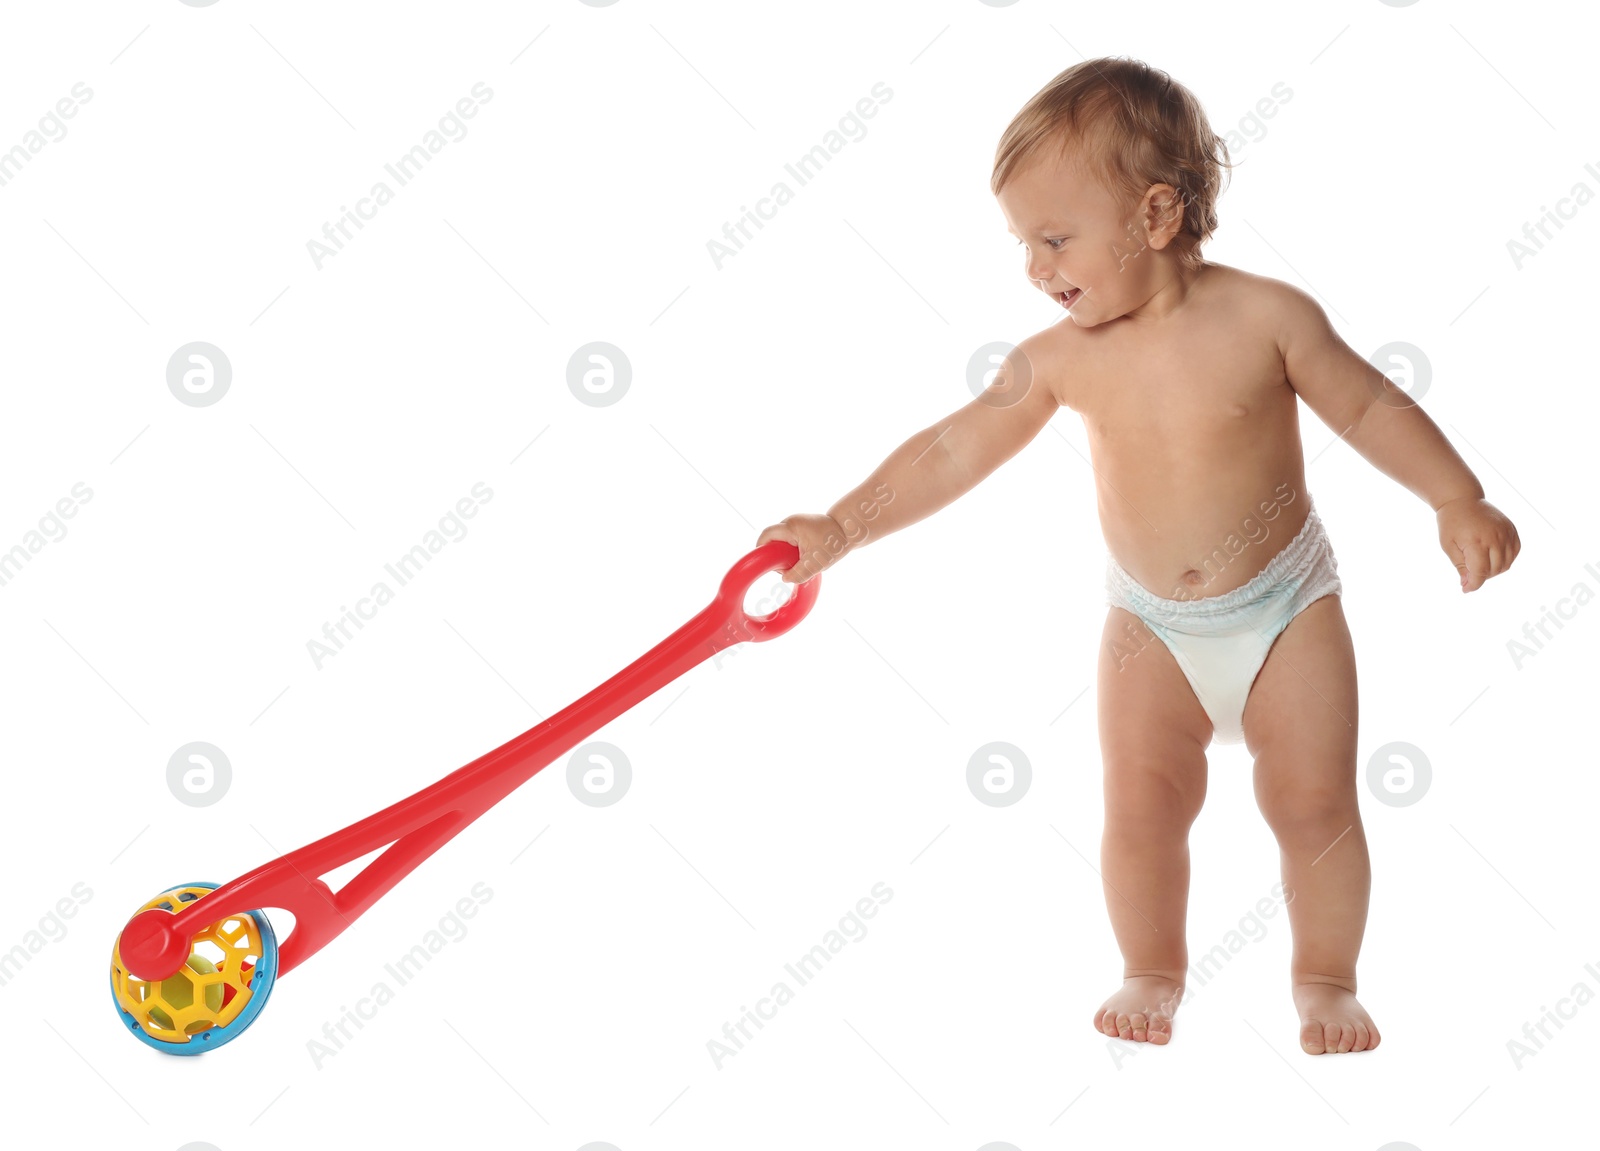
(1170, 287)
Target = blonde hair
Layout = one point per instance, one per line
(1131, 126)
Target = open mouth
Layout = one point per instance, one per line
(1069, 297)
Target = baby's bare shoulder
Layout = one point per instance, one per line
(1280, 307)
(1055, 358)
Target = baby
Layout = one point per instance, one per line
(1185, 374)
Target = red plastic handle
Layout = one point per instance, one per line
(155, 943)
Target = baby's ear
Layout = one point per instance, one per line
(1163, 214)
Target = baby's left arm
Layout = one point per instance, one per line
(1394, 434)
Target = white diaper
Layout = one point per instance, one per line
(1221, 641)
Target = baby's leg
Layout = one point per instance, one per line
(1300, 724)
(1153, 735)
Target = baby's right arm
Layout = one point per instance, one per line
(934, 467)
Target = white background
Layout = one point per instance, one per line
(772, 792)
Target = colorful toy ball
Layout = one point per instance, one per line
(215, 995)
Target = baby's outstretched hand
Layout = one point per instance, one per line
(820, 539)
(1478, 538)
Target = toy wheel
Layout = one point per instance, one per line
(218, 992)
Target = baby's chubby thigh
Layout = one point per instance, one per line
(1153, 730)
(1301, 722)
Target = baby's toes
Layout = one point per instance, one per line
(1124, 1026)
(1311, 1037)
(1363, 1037)
(1140, 1025)
(1347, 1037)
(1330, 1037)
(1160, 1029)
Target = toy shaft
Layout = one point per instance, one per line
(417, 826)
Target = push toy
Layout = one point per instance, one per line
(194, 966)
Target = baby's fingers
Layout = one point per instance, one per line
(803, 570)
(1459, 558)
(778, 532)
(1509, 552)
(1477, 567)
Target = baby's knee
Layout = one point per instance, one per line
(1147, 801)
(1297, 811)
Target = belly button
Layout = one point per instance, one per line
(1240, 410)
(1192, 577)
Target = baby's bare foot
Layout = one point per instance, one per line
(1331, 1021)
(1141, 1010)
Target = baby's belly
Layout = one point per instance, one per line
(1192, 532)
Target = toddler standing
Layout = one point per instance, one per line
(1186, 375)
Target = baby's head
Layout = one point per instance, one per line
(1109, 177)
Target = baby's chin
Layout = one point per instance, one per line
(1077, 315)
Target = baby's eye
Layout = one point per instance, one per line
(1054, 244)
